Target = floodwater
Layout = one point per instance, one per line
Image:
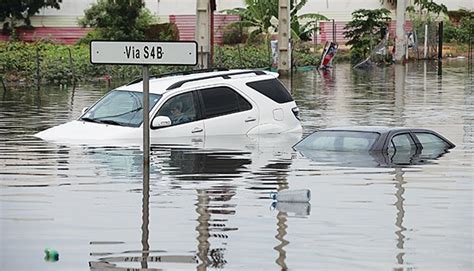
(208, 205)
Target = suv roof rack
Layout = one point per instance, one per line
(225, 76)
(178, 73)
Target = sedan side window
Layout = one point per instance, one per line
(180, 109)
(402, 142)
(220, 101)
(428, 140)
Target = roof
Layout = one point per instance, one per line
(377, 129)
(161, 85)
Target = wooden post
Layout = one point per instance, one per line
(400, 31)
(284, 63)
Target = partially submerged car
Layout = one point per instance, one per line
(373, 146)
(188, 104)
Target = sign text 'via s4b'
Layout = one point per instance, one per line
(143, 53)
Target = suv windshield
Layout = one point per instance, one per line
(120, 107)
(338, 141)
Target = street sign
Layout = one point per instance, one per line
(143, 52)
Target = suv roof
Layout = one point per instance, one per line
(162, 83)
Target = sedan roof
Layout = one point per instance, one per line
(376, 129)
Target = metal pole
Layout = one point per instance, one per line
(333, 31)
(146, 167)
(440, 48)
(146, 126)
(71, 67)
(425, 48)
(37, 68)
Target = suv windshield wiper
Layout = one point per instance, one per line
(102, 121)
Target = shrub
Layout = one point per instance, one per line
(162, 32)
(232, 34)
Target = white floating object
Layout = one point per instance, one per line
(301, 195)
(297, 208)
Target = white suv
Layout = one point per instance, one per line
(189, 104)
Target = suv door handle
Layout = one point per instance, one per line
(250, 119)
(196, 130)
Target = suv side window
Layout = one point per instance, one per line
(220, 101)
(273, 89)
(180, 109)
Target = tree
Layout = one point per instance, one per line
(424, 10)
(118, 19)
(261, 16)
(366, 30)
(304, 25)
(22, 10)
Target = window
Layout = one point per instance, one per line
(273, 89)
(428, 140)
(339, 141)
(222, 101)
(402, 142)
(180, 109)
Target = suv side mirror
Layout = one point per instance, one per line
(161, 121)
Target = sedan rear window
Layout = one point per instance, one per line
(338, 141)
(273, 89)
(428, 140)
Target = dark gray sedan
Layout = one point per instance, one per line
(374, 145)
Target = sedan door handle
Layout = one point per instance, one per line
(196, 130)
(250, 119)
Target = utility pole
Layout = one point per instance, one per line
(400, 40)
(203, 33)
(284, 59)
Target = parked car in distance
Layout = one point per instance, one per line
(188, 104)
(373, 145)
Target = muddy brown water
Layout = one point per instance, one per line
(208, 205)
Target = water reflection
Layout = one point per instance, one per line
(375, 159)
(400, 191)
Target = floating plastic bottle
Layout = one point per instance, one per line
(301, 195)
(51, 255)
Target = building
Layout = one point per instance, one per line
(62, 25)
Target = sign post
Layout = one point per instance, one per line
(144, 53)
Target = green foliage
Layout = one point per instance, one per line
(425, 12)
(262, 15)
(464, 31)
(248, 56)
(302, 56)
(18, 62)
(22, 10)
(162, 32)
(233, 34)
(118, 19)
(365, 31)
